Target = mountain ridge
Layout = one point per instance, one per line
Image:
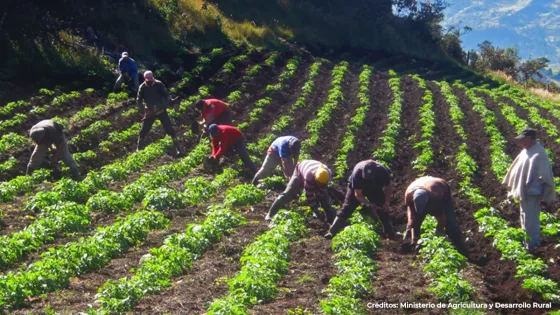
(532, 26)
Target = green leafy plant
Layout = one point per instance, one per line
(386, 151)
(341, 164)
(243, 195)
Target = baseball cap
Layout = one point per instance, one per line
(369, 170)
(213, 130)
(527, 133)
(37, 134)
(295, 146)
(420, 199)
(124, 54)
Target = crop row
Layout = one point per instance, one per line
(250, 75)
(353, 249)
(387, 151)
(264, 262)
(519, 124)
(178, 252)
(60, 216)
(444, 265)
(282, 123)
(348, 142)
(334, 98)
(57, 267)
(13, 142)
(427, 126)
(508, 240)
(258, 109)
(500, 161)
(59, 101)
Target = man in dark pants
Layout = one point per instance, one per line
(225, 137)
(213, 112)
(368, 185)
(432, 195)
(283, 151)
(156, 97)
(313, 177)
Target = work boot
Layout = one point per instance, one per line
(177, 148)
(141, 144)
(335, 227)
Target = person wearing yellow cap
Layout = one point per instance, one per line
(313, 177)
(45, 134)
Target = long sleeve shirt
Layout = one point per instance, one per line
(226, 137)
(54, 132)
(439, 195)
(128, 67)
(212, 109)
(155, 96)
(305, 171)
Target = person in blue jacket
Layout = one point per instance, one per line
(127, 67)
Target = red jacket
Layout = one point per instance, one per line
(212, 109)
(226, 136)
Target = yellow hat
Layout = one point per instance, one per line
(322, 175)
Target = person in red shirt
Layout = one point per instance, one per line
(225, 137)
(213, 111)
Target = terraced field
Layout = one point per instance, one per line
(146, 233)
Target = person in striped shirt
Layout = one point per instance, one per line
(313, 177)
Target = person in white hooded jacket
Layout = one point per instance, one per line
(530, 180)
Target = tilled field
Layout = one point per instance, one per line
(147, 233)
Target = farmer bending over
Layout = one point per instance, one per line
(283, 151)
(312, 176)
(225, 137)
(156, 97)
(46, 133)
(432, 195)
(213, 111)
(369, 185)
(127, 67)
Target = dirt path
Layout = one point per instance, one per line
(367, 138)
(332, 134)
(400, 276)
(310, 270)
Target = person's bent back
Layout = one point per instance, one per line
(44, 134)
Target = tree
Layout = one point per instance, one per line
(531, 69)
(451, 43)
(497, 59)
